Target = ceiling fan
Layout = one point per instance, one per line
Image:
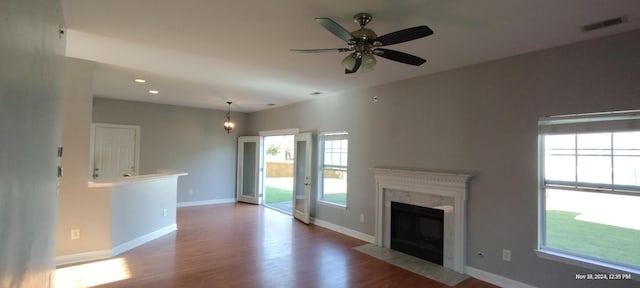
(363, 43)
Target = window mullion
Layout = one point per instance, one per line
(575, 156)
(611, 153)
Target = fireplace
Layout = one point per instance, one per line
(446, 192)
(418, 231)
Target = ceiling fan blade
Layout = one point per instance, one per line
(320, 50)
(404, 35)
(399, 56)
(355, 67)
(335, 28)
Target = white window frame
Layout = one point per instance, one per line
(321, 166)
(608, 122)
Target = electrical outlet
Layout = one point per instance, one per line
(506, 255)
(75, 234)
(361, 217)
(164, 212)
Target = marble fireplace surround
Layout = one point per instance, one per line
(444, 191)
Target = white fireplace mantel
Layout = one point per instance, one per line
(451, 187)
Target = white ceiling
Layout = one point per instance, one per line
(203, 53)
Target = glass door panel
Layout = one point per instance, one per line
(302, 177)
(248, 176)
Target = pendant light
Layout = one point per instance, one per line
(228, 125)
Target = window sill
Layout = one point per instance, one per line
(331, 204)
(588, 264)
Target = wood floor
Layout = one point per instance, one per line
(240, 245)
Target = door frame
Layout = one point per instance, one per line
(267, 133)
(309, 161)
(307, 171)
(240, 177)
(136, 128)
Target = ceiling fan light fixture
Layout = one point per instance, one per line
(368, 62)
(363, 44)
(349, 62)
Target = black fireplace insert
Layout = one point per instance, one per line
(418, 231)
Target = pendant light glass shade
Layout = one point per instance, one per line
(228, 125)
(349, 62)
(368, 62)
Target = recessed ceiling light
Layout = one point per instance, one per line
(139, 80)
(154, 91)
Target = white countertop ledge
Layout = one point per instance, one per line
(135, 179)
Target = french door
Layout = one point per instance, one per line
(248, 179)
(302, 177)
(249, 173)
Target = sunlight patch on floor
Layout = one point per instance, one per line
(92, 274)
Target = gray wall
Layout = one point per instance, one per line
(187, 139)
(31, 63)
(480, 119)
(78, 208)
(137, 208)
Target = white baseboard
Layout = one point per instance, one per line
(344, 230)
(103, 254)
(126, 246)
(206, 202)
(495, 279)
(82, 257)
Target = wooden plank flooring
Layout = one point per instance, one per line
(241, 245)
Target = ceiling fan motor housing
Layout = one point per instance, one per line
(362, 19)
(364, 34)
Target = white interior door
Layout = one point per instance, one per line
(114, 151)
(248, 174)
(302, 177)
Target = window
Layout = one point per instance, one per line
(590, 189)
(334, 149)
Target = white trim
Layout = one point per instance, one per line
(82, 257)
(291, 131)
(495, 279)
(126, 246)
(586, 263)
(320, 167)
(344, 230)
(331, 204)
(589, 123)
(439, 184)
(137, 138)
(302, 175)
(136, 179)
(103, 254)
(206, 202)
(256, 198)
